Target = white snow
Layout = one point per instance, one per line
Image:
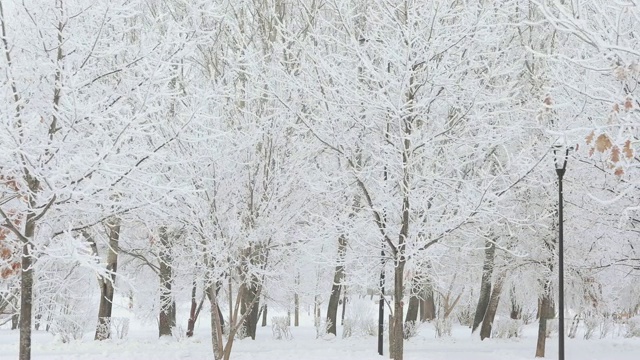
(143, 343)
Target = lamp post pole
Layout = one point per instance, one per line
(560, 171)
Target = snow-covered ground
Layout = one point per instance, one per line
(142, 344)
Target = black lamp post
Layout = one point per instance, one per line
(381, 306)
(561, 167)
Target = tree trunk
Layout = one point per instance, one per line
(543, 312)
(194, 311)
(485, 285)
(26, 290)
(103, 330)
(15, 318)
(221, 318)
(412, 310)
(345, 299)
(396, 351)
(338, 276)
(316, 311)
(397, 335)
(492, 307)
(37, 318)
(264, 315)
(428, 305)
(391, 338)
(216, 324)
(167, 316)
(296, 309)
(251, 303)
(516, 309)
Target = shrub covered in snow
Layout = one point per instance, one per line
(362, 320)
(632, 328)
(443, 327)
(67, 328)
(280, 327)
(507, 328)
(411, 329)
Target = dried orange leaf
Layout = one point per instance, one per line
(590, 137)
(615, 154)
(5, 273)
(619, 171)
(603, 143)
(628, 151)
(616, 108)
(628, 104)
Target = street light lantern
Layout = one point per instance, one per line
(561, 155)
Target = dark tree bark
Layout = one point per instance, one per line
(194, 311)
(544, 313)
(397, 334)
(412, 310)
(516, 309)
(428, 305)
(26, 282)
(167, 316)
(251, 303)
(253, 257)
(38, 319)
(103, 331)
(15, 319)
(264, 315)
(221, 317)
(345, 300)
(296, 309)
(316, 310)
(338, 277)
(492, 307)
(216, 322)
(396, 351)
(485, 285)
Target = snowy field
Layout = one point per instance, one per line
(143, 344)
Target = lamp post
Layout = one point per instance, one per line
(561, 167)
